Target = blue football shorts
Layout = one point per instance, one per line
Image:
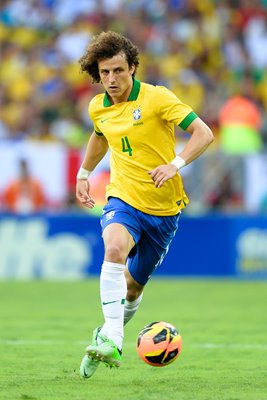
(152, 236)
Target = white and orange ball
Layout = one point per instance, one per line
(159, 344)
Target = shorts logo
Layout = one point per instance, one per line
(110, 215)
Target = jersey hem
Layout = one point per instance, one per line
(151, 212)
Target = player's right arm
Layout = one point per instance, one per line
(96, 149)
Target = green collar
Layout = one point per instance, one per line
(133, 95)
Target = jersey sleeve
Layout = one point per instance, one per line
(92, 114)
(173, 110)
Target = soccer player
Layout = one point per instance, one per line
(145, 196)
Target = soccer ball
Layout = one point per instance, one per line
(159, 344)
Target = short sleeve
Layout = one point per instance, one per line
(172, 109)
(92, 113)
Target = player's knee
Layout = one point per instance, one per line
(115, 253)
(133, 292)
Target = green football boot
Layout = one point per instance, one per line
(89, 365)
(107, 352)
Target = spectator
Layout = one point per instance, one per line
(24, 195)
(240, 121)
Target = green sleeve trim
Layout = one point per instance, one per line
(99, 133)
(188, 119)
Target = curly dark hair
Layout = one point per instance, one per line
(107, 45)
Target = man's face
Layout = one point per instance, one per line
(116, 77)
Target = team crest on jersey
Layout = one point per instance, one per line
(137, 114)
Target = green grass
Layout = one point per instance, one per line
(45, 326)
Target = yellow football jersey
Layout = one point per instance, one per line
(140, 134)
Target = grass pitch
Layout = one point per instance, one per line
(45, 326)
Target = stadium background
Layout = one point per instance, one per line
(212, 54)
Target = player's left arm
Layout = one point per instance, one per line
(200, 139)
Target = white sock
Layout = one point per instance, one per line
(130, 308)
(113, 290)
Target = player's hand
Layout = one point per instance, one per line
(82, 193)
(162, 173)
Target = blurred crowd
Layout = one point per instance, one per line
(211, 51)
(208, 52)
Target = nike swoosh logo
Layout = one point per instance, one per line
(104, 120)
(85, 374)
(109, 302)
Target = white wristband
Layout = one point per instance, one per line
(179, 162)
(83, 173)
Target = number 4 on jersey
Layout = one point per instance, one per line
(126, 147)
